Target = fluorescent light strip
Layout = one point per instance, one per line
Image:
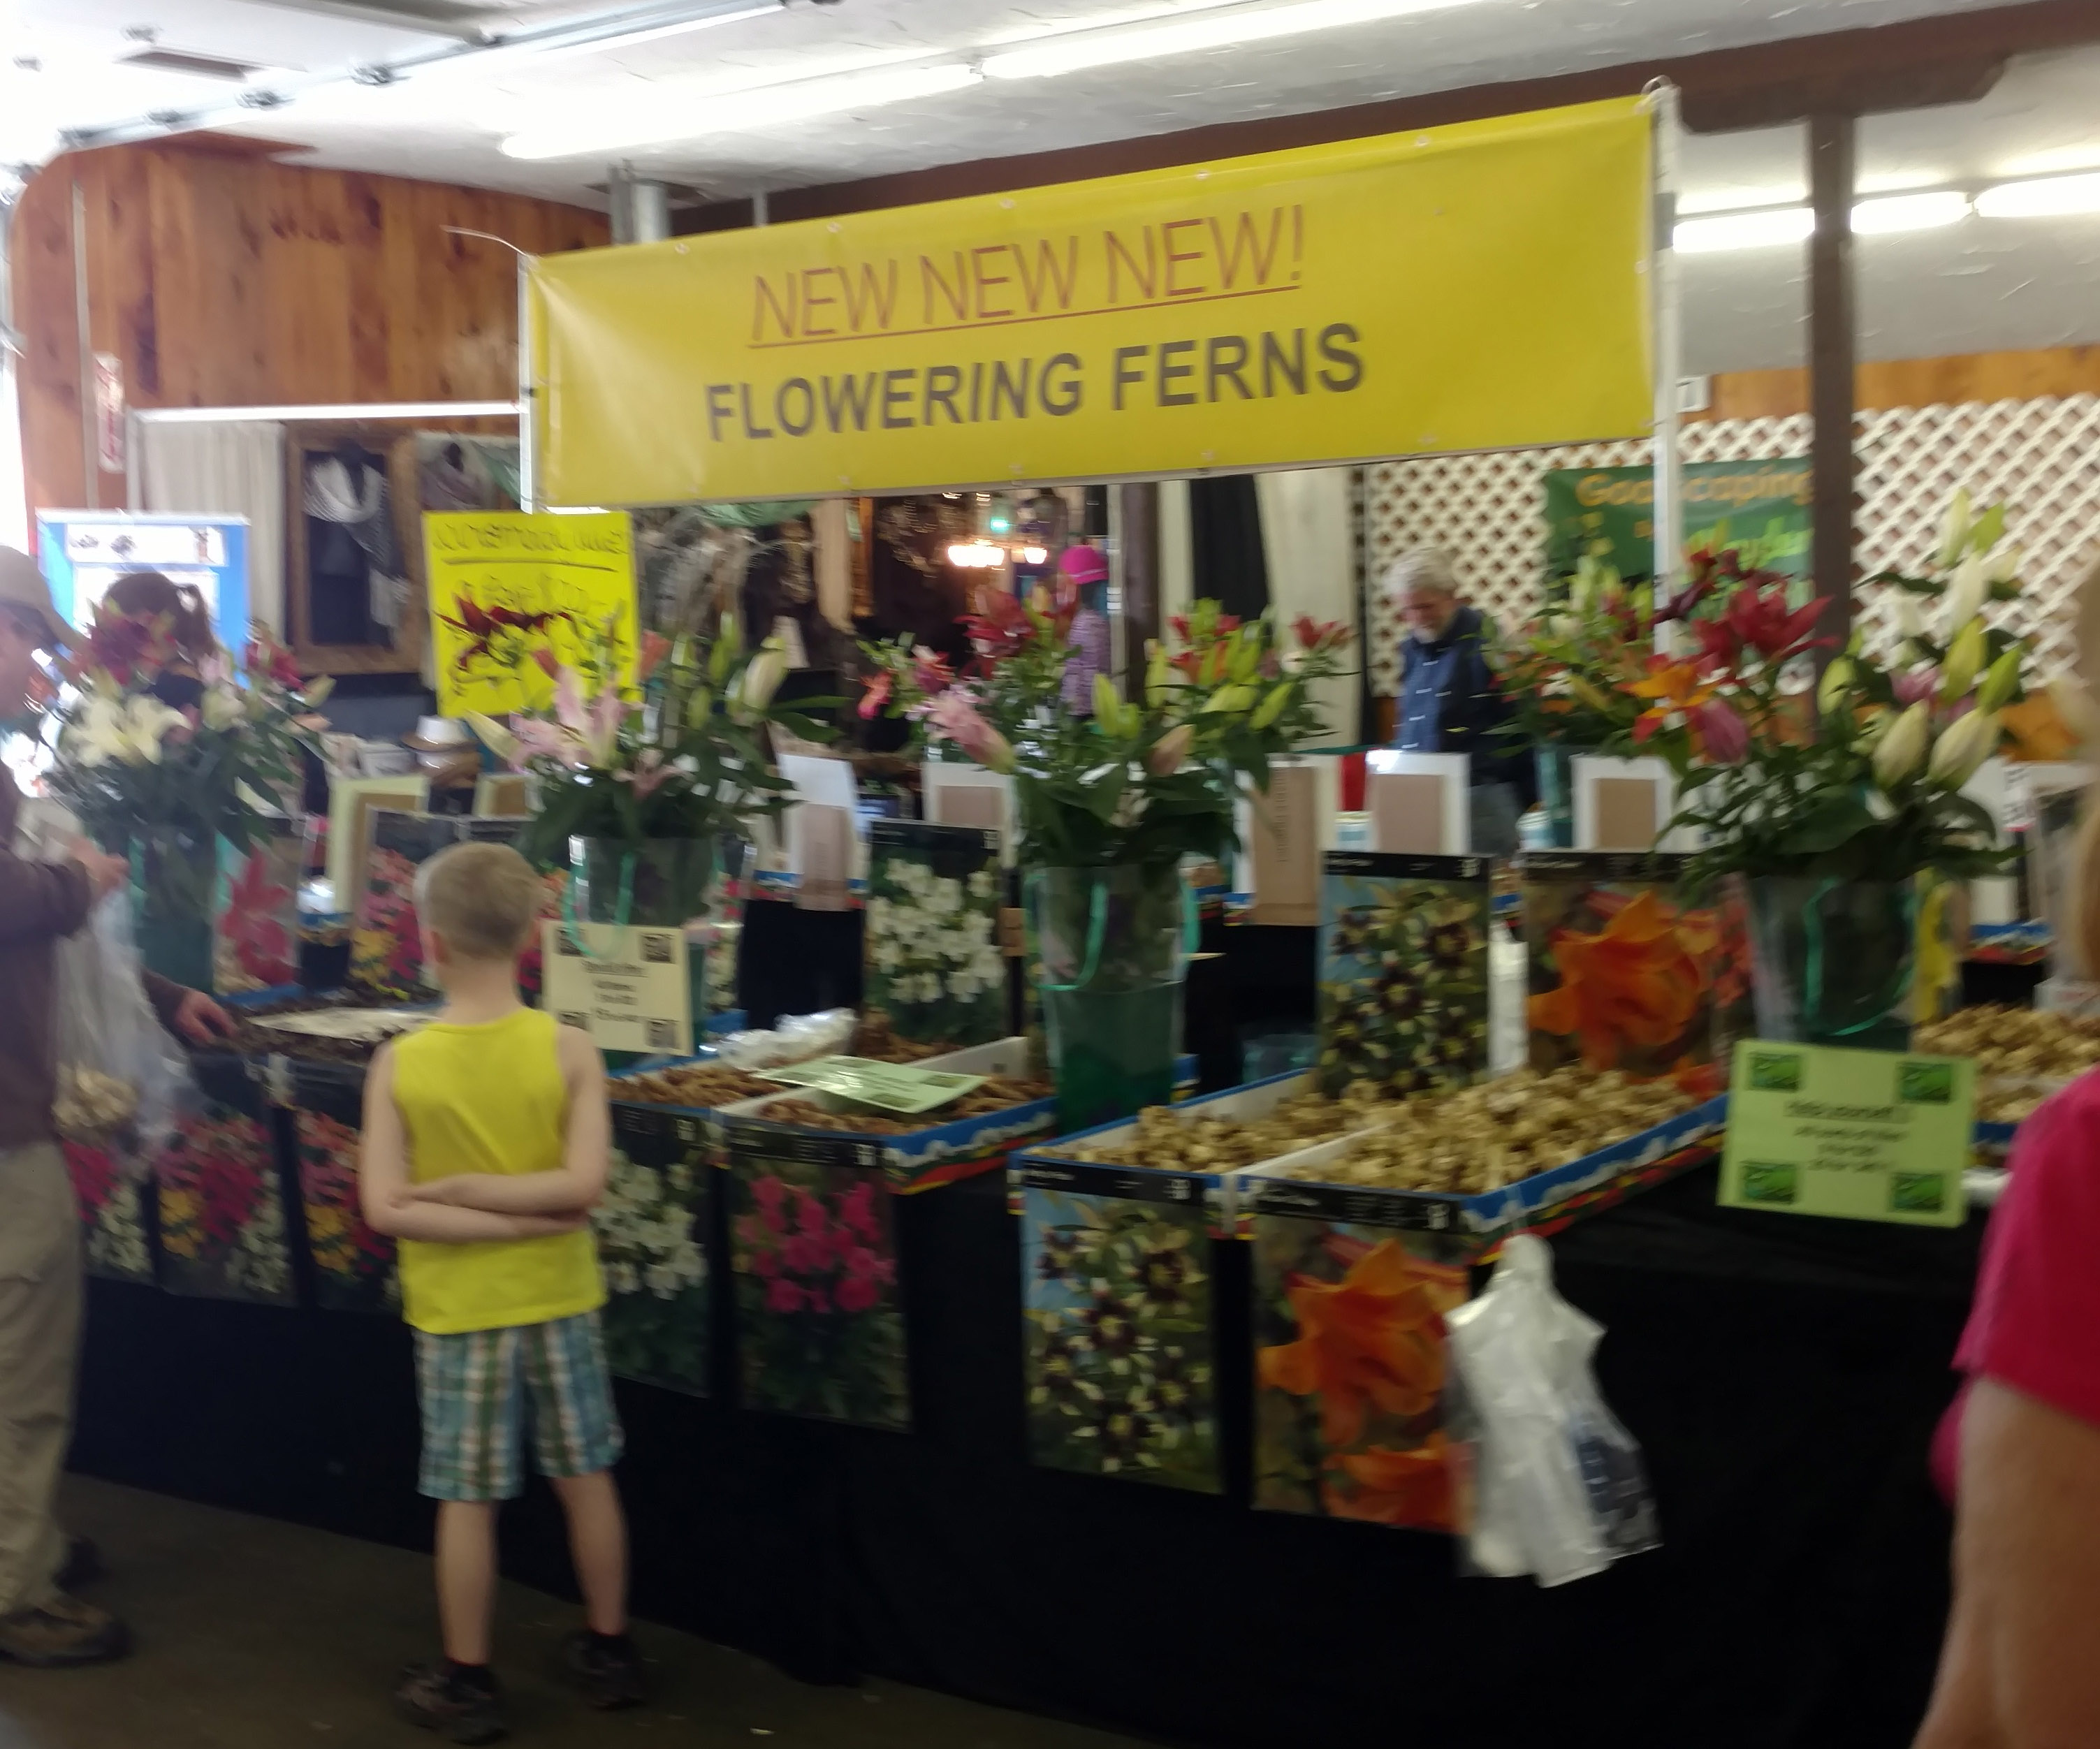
(1768, 227)
(1910, 212)
(1188, 36)
(209, 416)
(631, 125)
(2041, 197)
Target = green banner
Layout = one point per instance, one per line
(1759, 507)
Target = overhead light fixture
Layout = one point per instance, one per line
(625, 125)
(1910, 212)
(976, 555)
(2044, 197)
(628, 39)
(1188, 35)
(1764, 228)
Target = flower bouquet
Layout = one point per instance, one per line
(167, 782)
(647, 805)
(1110, 803)
(1847, 821)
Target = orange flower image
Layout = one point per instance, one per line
(1639, 981)
(1411, 1489)
(1373, 1340)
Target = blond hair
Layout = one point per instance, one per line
(483, 899)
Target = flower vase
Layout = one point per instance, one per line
(1834, 961)
(697, 885)
(174, 878)
(1556, 792)
(1112, 950)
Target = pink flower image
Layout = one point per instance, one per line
(782, 1296)
(857, 1211)
(811, 1217)
(856, 1294)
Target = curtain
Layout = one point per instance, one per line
(1224, 527)
(1307, 538)
(225, 468)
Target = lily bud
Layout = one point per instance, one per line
(2001, 682)
(728, 646)
(1156, 671)
(1837, 682)
(1169, 752)
(1954, 528)
(1230, 700)
(1246, 654)
(700, 706)
(1901, 747)
(316, 692)
(1588, 692)
(2003, 566)
(1964, 747)
(1108, 707)
(1966, 593)
(1271, 708)
(762, 679)
(1908, 616)
(1965, 658)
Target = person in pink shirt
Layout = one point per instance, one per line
(1088, 571)
(2019, 1452)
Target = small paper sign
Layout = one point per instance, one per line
(629, 988)
(1863, 1135)
(887, 1086)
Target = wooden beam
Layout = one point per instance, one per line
(1950, 58)
(1833, 141)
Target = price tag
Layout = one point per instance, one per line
(887, 1086)
(630, 988)
(1866, 1135)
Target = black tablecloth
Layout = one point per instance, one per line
(1782, 1375)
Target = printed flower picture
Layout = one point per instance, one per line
(222, 1216)
(650, 1229)
(1403, 975)
(1349, 1373)
(1120, 1365)
(255, 936)
(385, 946)
(1622, 975)
(934, 966)
(112, 1214)
(820, 1324)
(354, 1267)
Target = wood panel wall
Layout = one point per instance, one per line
(1916, 382)
(223, 278)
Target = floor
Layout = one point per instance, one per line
(257, 1635)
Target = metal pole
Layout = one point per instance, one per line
(640, 208)
(1832, 343)
(1668, 325)
(528, 405)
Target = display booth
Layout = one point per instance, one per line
(1487, 285)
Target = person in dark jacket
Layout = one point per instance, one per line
(1450, 701)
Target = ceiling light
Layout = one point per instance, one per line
(1187, 36)
(1910, 212)
(628, 39)
(1745, 231)
(621, 125)
(2041, 199)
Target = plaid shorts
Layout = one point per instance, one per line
(481, 1389)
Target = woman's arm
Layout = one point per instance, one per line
(2017, 1671)
(388, 1197)
(586, 1151)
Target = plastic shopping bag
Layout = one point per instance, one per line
(1560, 1489)
(122, 1081)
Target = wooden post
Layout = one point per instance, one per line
(1832, 345)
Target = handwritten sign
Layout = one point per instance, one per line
(629, 988)
(505, 584)
(888, 1087)
(1864, 1135)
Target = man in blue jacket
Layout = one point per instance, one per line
(1450, 701)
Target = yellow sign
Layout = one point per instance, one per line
(505, 585)
(1473, 287)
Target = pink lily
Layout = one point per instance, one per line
(956, 716)
(1916, 684)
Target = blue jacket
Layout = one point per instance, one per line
(1449, 700)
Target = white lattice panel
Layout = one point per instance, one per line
(2042, 456)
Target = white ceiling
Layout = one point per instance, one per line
(1982, 286)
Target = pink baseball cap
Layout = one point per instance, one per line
(1083, 564)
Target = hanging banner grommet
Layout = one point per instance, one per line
(1480, 286)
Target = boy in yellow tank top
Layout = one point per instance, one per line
(487, 1142)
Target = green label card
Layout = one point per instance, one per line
(1866, 1135)
(887, 1086)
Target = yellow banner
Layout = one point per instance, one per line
(504, 586)
(1473, 287)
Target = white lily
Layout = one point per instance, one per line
(223, 707)
(1958, 753)
(2003, 566)
(128, 731)
(1901, 746)
(1965, 594)
(1908, 616)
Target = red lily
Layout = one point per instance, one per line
(1001, 626)
(1758, 619)
(877, 695)
(1318, 634)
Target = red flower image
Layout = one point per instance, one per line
(343, 1246)
(816, 1253)
(94, 1174)
(254, 926)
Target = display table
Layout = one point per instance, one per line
(1782, 1375)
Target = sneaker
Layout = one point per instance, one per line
(65, 1631)
(427, 1696)
(608, 1673)
(83, 1566)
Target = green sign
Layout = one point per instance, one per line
(1866, 1135)
(887, 1086)
(1759, 507)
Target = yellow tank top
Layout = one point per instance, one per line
(489, 1098)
